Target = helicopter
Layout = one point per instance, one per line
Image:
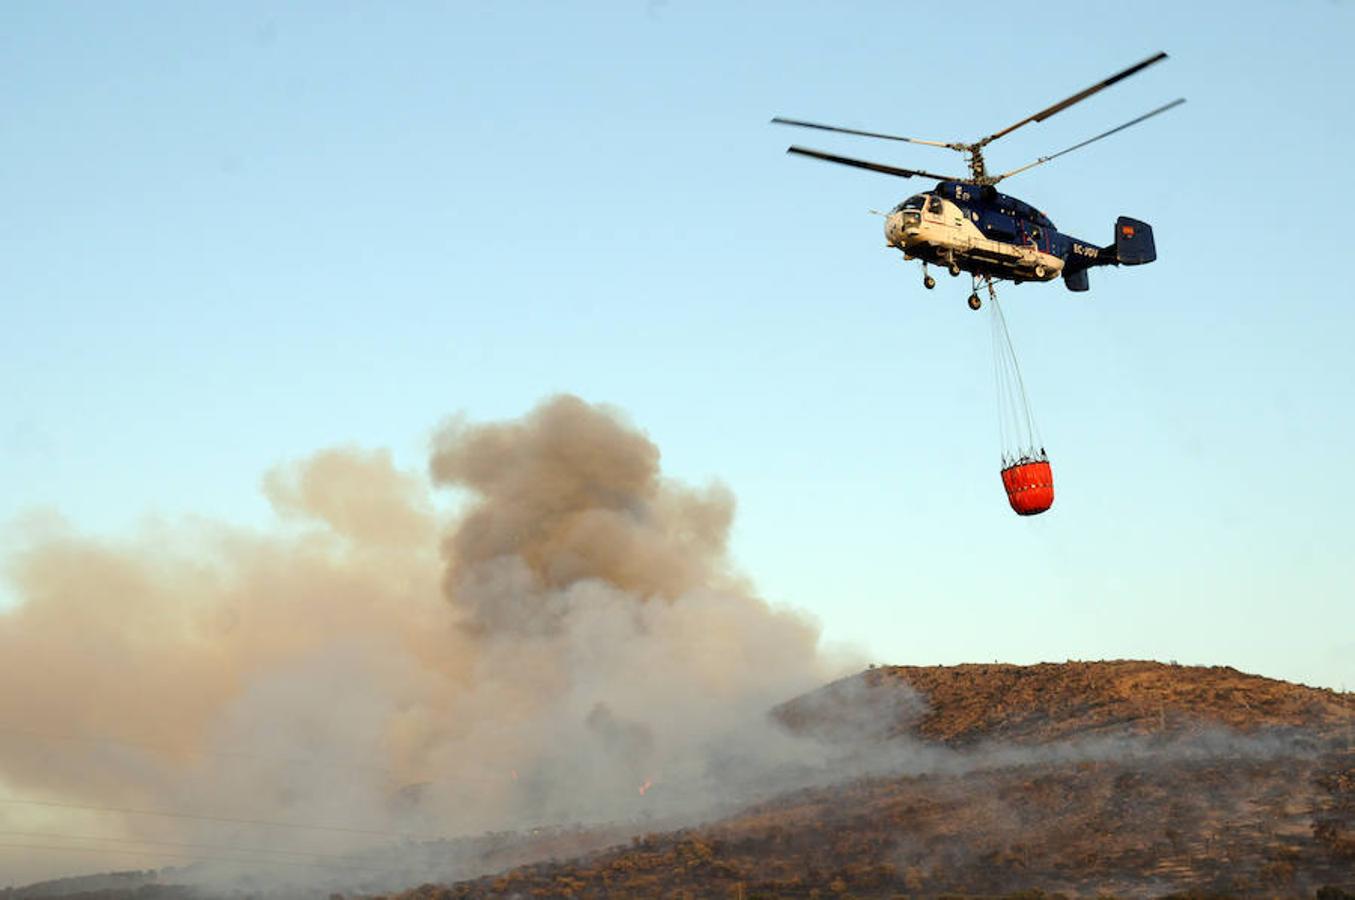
(966, 225)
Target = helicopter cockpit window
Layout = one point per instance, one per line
(934, 206)
(913, 202)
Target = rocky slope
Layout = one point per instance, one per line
(1114, 778)
(1120, 778)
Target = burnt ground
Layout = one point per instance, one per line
(1121, 778)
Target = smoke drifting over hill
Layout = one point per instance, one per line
(573, 647)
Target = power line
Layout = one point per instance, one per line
(163, 748)
(231, 754)
(205, 818)
(195, 857)
(148, 842)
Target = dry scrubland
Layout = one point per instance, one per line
(1094, 779)
(1114, 778)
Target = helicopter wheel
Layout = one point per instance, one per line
(928, 282)
(974, 301)
(954, 269)
(1039, 271)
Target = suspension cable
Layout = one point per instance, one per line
(1024, 438)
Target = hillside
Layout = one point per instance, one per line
(962, 706)
(1201, 780)
(1120, 778)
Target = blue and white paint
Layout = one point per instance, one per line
(974, 228)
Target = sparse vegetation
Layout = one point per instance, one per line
(1238, 785)
(1279, 822)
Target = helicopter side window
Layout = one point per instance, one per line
(934, 206)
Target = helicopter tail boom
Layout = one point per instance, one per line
(1133, 247)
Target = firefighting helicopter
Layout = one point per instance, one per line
(965, 225)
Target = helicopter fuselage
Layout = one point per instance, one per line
(974, 228)
(967, 226)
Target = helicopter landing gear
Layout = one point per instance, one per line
(981, 281)
(1039, 271)
(953, 268)
(927, 280)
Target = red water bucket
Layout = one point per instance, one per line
(1030, 487)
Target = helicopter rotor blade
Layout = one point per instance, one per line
(1044, 159)
(1076, 98)
(800, 123)
(864, 164)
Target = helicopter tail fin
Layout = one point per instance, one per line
(1133, 242)
(1133, 247)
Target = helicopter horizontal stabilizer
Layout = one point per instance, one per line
(1133, 242)
(1075, 279)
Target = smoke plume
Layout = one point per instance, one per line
(573, 647)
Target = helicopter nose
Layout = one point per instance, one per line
(894, 229)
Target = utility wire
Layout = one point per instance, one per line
(227, 754)
(172, 751)
(205, 818)
(196, 857)
(229, 848)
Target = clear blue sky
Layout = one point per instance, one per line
(236, 233)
